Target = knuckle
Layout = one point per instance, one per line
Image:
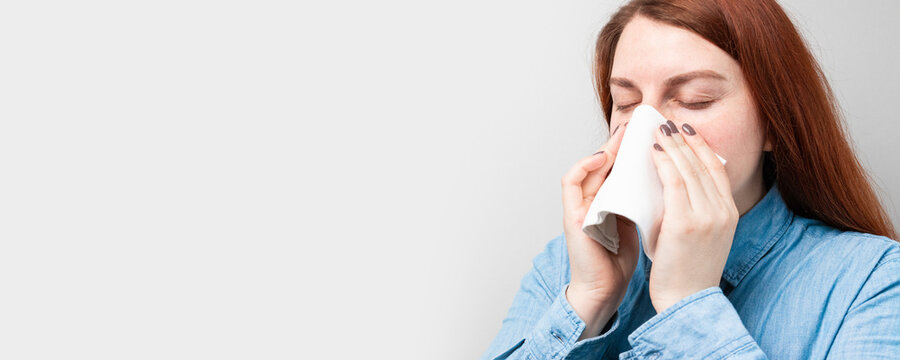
(689, 228)
(702, 167)
(705, 223)
(693, 173)
(674, 181)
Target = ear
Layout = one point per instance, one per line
(767, 146)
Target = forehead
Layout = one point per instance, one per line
(649, 50)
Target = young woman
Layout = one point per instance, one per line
(785, 252)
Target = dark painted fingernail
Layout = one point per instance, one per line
(688, 129)
(657, 147)
(665, 130)
(672, 126)
(617, 129)
(599, 152)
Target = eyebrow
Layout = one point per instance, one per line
(675, 80)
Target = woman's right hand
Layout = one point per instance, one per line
(599, 278)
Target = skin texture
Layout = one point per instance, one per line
(703, 199)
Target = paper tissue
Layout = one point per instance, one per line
(632, 189)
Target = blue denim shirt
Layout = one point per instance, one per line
(792, 288)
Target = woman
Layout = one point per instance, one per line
(783, 253)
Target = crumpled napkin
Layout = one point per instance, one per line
(632, 189)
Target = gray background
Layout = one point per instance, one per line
(207, 179)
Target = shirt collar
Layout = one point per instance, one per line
(757, 231)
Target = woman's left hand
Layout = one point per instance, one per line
(699, 220)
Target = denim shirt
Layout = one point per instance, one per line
(792, 288)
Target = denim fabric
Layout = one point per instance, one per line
(793, 288)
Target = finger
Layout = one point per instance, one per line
(595, 179)
(612, 146)
(706, 181)
(674, 194)
(710, 160)
(572, 195)
(695, 192)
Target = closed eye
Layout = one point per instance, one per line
(690, 105)
(697, 105)
(623, 107)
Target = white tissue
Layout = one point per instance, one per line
(632, 189)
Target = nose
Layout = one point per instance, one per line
(663, 110)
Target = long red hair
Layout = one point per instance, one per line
(816, 169)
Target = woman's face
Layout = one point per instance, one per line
(689, 79)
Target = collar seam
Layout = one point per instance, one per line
(741, 272)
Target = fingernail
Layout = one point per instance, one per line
(617, 129)
(599, 152)
(665, 130)
(657, 147)
(672, 126)
(688, 129)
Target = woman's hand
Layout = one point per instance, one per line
(599, 278)
(699, 220)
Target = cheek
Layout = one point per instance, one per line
(736, 140)
(716, 128)
(726, 139)
(731, 130)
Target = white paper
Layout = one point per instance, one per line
(632, 189)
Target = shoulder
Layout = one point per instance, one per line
(868, 263)
(842, 251)
(847, 243)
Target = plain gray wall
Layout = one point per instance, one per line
(263, 179)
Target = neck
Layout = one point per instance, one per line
(750, 194)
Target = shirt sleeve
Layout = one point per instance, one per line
(871, 328)
(541, 323)
(703, 325)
